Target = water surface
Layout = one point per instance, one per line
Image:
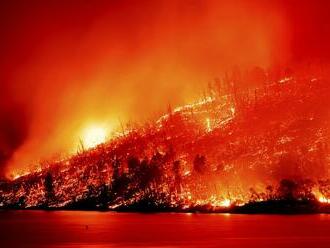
(108, 229)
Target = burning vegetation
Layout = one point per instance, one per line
(237, 149)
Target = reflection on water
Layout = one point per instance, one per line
(109, 229)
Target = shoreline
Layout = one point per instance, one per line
(287, 207)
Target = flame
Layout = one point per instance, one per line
(323, 199)
(225, 203)
(208, 125)
(93, 136)
(171, 163)
(123, 67)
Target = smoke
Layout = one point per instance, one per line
(13, 128)
(69, 64)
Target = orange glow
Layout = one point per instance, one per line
(208, 125)
(225, 203)
(242, 114)
(322, 199)
(93, 136)
(114, 61)
(247, 155)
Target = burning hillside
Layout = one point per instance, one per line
(235, 146)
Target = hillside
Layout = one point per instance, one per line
(265, 144)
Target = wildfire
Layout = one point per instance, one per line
(322, 199)
(93, 136)
(172, 165)
(208, 125)
(16, 175)
(225, 203)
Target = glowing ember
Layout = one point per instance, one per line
(200, 157)
(322, 199)
(93, 136)
(225, 203)
(208, 125)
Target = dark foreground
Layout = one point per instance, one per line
(110, 229)
(280, 206)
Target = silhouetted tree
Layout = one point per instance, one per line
(270, 194)
(255, 196)
(287, 189)
(324, 188)
(119, 185)
(104, 196)
(200, 164)
(133, 165)
(91, 191)
(116, 168)
(144, 176)
(177, 176)
(21, 202)
(305, 188)
(49, 188)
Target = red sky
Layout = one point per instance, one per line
(64, 64)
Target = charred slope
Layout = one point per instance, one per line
(215, 155)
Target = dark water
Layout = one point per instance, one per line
(108, 229)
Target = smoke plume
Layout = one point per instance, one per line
(66, 64)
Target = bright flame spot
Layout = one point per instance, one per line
(186, 173)
(17, 175)
(285, 80)
(232, 110)
(322, 199)
(208, 125)
(225, 203)
(93, 136)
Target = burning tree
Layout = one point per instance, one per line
(208, 154)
